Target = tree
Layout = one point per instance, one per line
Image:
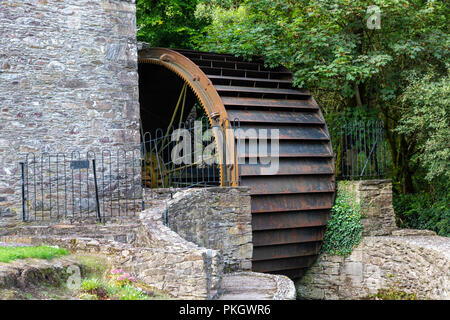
(426, 119)
(331, 49)
(168, 23)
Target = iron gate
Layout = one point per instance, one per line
(360, 149)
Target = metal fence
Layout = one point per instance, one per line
(181, 157)
(79, 186)
(117, 182)
(360, 150)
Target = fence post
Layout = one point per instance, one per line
(96, 191)
(24, 217)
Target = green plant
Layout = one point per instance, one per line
(344, 229)
(426, 118)
(354, 71)
(91, 284)
(8, 254)
(168, 23)
(119, 285)
(96, 266)
(421, 211)
(129, 292)
(87, 296)
(392, 293)
(93, 288)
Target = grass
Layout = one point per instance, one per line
(96, 266)
(8, 254)
(99, 284)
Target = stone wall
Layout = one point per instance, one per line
(411, 261)
(189, 271)
(160, 258)
(209, 234)
(68, 80)
(375, 199)
(413, 264)
(154, 254)
(216, 218)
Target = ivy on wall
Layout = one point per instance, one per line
(344, 230)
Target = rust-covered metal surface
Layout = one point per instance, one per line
(290, 209)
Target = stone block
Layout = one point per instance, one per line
(417, 264)
(216, 218)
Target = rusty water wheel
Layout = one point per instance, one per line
(291, 208)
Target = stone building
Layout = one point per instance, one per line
(68, 81)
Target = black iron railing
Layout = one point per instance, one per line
(181, 157)
(81, 185)
(117, 182)
(360, 149)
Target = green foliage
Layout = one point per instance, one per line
(168, 23)
(116, 285)
(344, 229)
(95, 288)
(95, 265)
(398, 73)
(87, 296)
(392, 293)
(129, 292)
(421, 211)
(426, 118)
(349, 67)
(8, 254)
(91, 284)
(327, 42)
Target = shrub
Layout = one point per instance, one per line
(130, 292)
(93, 288)
(421, 211)
(344, 230)
(119, 286)
(91, 284)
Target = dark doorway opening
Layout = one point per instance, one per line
(159, 92)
